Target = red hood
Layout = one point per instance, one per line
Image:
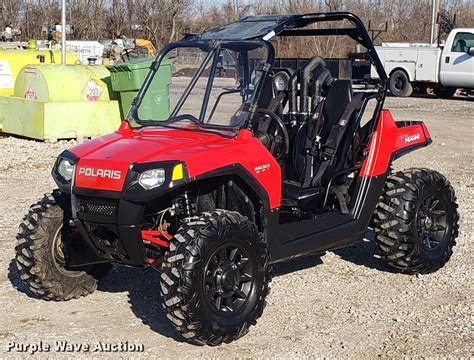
(141, 146)
(118, 151)
(104, 162)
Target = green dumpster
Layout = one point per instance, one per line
(127, 78)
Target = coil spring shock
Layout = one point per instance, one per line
(185, 205)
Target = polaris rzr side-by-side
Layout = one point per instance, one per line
(259, 160)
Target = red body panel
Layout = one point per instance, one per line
(389, 138)
(104, 162)
(201, 152)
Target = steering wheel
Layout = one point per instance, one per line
(189, 117)
(277, 141)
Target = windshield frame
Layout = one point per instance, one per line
(212, 48)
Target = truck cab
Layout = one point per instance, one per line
(457, 59)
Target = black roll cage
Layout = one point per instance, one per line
(289, 25)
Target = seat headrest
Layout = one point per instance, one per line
(338, 97)
(340, 93)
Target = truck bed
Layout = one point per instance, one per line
(420, 61)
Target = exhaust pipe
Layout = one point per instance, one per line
(321, 77)
(306, 73)
(293, 90)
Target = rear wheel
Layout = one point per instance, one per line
(215, 278)
(444, 92)
(416, 221)
(40, 257)
(399, 84)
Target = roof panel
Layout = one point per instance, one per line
(250, 27)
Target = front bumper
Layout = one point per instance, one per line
(110, 228)
(110, 222)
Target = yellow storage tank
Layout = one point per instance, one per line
(57, 83)
(12, 61)
(60, 102)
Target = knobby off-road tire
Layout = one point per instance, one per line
(416, 221)
(211, 257)
(40, 260)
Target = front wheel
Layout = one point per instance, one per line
(416, 221)
(444, 92)
(40, 257)
(215, 278)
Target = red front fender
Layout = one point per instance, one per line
(391, 140)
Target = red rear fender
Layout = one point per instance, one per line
(391, 140)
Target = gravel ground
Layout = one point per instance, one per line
(344, 304)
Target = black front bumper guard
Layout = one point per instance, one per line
(106, 238)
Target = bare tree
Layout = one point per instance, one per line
(162, 21)
(8, 13)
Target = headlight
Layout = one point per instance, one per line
(66, 169)
(151, 179)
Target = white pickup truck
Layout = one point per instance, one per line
(443, 68)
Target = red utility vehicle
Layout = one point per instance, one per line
(255, 164)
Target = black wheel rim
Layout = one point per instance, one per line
(399, 83)
(432, 222)
(228, 279)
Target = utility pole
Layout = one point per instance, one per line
(63, 33)
(434, 15)
(2, 25)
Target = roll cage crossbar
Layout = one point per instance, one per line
(258, 30)
(294, 25)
